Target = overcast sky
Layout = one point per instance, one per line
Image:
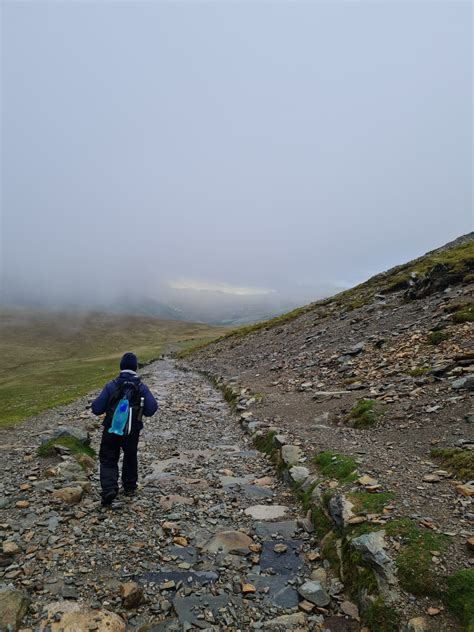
(249, 144)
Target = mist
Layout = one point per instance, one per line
(257, 149)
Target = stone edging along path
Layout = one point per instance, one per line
(382, 560)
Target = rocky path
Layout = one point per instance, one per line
(212, 541)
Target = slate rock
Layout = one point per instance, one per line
(314, 592)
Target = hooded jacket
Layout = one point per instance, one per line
(99, 405)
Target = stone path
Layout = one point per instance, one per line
(212, 541)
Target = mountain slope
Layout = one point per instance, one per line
(381, 374)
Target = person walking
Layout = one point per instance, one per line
(129, 392)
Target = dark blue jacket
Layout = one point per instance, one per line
(99, 405)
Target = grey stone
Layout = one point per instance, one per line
(290, 454)
(285, 563)
(340, 510)
(266, 512)
(298, 473)
(189, 608)
(275, 589)
(371, 547)
(13, 608)
(464, 382)
(314, 592)
(286, 528)
(75, 432)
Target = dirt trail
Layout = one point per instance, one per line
(199, 478)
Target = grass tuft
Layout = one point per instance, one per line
(75, 446)
(332, 465)
(380, 617)
(366, 413)
(459, 462)
(460, 597)
(414, 563)
(436, 337)
(265, 443)
(368, 503)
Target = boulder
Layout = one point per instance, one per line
(314, 592)
(69, 495)
(464, 382)
(13, 608)
(132, 595)
(78, 433)
(371, 548)
(340, 510)
(10, 548)
(69, 616)
(298, 473)
(290, 454)
(229, 542)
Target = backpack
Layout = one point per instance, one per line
(123, 408)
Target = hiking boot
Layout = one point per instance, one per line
(130, 492)
(107, 498)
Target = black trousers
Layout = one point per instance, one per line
(109, 456)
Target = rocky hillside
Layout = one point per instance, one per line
(370, 393)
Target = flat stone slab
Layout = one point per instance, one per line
(286, 529)
(266, 512)
(184, 553)
(189, 578)
(280, 593)
(287, 563)
(255, 491)
(230, 481)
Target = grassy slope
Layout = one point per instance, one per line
(52, 358)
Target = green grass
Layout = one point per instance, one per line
(436, 337)
(414, 563)
(370, 503)
(322, 524)
(332, 465)
(381, 617)
(418, 371)
(75, 446)
(51, 358)
(459, 462)
(465, 314)
(265, 443)
(460, 597)
(366, 413)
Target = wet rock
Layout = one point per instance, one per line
(314, 592)
(229, 542)
(285, 529)
(275, 590)
(284, 557)
(13, 608)
(132, 595)
(69, 495)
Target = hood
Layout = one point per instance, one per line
(128, 376)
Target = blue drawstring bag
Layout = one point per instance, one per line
(120, 418)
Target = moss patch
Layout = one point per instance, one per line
(332, 465)
(75, 446)
(415, 567)
(329, 551)
(366, 413)
(418, 371)
(367, 503)
(465, 315)
(381, 618)
(459, 462)
(436, 337)
(460, 597)
(265, 443)
(322, 524)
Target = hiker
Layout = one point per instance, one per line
(133, 398)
